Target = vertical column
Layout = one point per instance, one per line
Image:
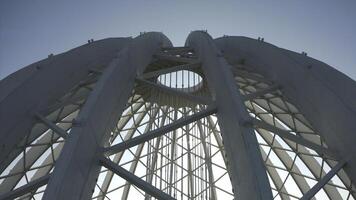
(245, 165)
(77, 168)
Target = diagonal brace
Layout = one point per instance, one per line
(159, 131)
(128, 176)
(323, 181)
(52, 126)
(287, 135)
(33, 185)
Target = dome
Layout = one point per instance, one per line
(136, 118)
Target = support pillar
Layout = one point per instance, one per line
(245, 165)
(77, 168)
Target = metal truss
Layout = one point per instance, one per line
(163, 122)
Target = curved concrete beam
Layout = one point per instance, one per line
(245, 165)
(78, 166)
(39, 85)
(325, 96)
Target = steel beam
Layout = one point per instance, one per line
(151, 168)
(176, 92)
(323, 181)
(52, 126)
(245, 165)
(190, 66)
(172, 153)
(132, 170)
(218, 139)
(77, 168)
(33, 185)
(159, 131)
(207, 159)
(287, 135)
(117, 158)
(137, 155)
(190, 181)
(143, 185)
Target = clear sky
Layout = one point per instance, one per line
(32, 29)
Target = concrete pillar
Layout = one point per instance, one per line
(245, 165)
(77, 168)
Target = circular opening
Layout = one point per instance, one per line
(181, 80)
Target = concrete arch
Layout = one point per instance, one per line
(324, 95)
(39, 85)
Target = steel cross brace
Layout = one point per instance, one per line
(143, 185)
(160, 131)
(26, 188)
